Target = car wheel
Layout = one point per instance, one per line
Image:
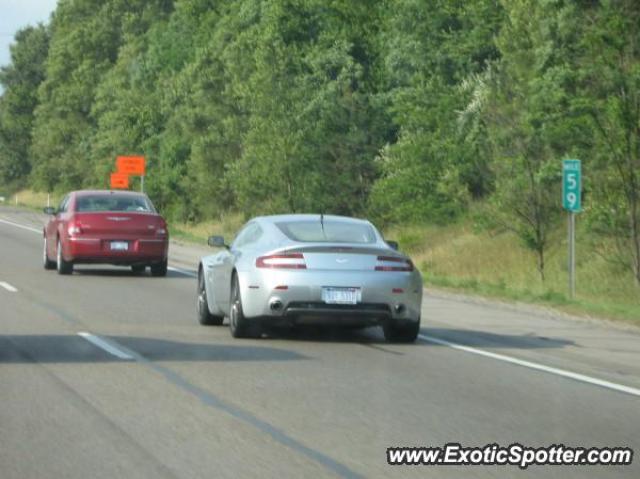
(239, 326)
(63, 266)
(159, 269)
(48, 264)
(401, 333)
(202, 306)
(138, 269)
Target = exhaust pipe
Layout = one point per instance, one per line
(275, 305)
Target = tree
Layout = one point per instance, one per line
(610, 96)
(525, 104)
(428, 173)
(86, 40)
(20, 80)
(312, 130)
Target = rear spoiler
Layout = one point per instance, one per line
(341, 249)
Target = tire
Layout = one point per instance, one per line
(47, 263)
(138, 269)
(401, 333)
(63, 266)
(159, 269)
(202, 306)
(239, 325)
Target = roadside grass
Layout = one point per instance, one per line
(461, 258)
(34, 200)
(227, 226)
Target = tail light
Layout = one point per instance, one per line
(393, 263)
(161, 232)
(282, 261)
(74, 229)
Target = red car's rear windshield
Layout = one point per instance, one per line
(328, 232)
(128, 203)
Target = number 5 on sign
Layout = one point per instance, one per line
(571, 185)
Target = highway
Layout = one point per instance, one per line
(105, 374)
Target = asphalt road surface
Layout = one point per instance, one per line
(106, 374)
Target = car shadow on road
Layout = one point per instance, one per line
(484, 339)
(326, 334)
(75, 349)
(125, 272)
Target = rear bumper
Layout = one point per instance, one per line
(321, 313)
(98, 250)
(384, 296)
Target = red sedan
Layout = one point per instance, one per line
(109, 227)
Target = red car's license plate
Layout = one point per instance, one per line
(119, 246)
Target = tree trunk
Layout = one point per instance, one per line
(540, 253)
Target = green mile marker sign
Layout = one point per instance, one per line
(571, 185)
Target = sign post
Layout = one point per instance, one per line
(572, 202)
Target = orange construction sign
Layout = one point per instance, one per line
(131, 165)
(119, 181)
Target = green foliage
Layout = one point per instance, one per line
(610, 97)
(428, 49)
(20, 80)
(406, 111)
(524, 104)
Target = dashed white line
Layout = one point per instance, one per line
(531, 365)
(8, 287)
(104, 345)
(28, 228)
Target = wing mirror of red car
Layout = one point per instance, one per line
(49, 210)
(217, 242)
(393, 245)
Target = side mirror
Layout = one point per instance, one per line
(393, 245)
(216, 242)
(49, 210)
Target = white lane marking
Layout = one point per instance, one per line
(28, 228)
(103, 344)
(8, 287)
(182, 271)
(539, 367)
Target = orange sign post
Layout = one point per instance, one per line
(132, 165)
(119, 181)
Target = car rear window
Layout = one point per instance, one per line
(332, 232)
(97, 203)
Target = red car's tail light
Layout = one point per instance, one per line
(74, 229)
(282, 261)
(393, 263)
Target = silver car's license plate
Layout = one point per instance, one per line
(119, 246)
(335, 295)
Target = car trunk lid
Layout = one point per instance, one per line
(346, 257)
(116, 223)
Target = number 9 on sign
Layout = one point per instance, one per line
(572, 199)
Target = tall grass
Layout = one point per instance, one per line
(497, 265)
(227, 226)
(33, 200)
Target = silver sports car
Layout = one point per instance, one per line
(302, 269)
